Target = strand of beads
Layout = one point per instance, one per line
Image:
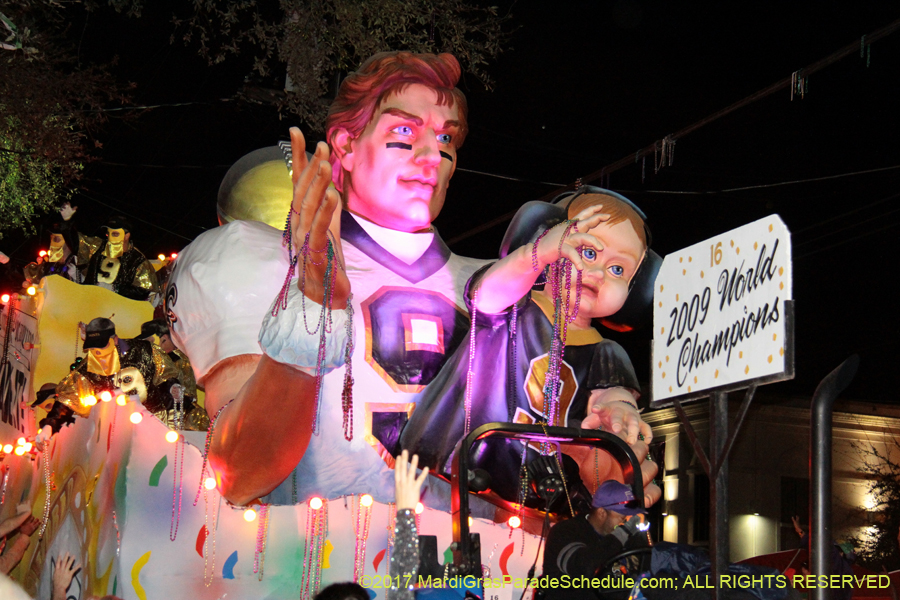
(316, 531)
(391, 522)
(470, 372)
(209, 565)
(45, 518)
(5, 481)
(512, 378)
(347, 391)
(177, 486)
(118, 537)
(363, 519)
(204, 473)
(262, 533)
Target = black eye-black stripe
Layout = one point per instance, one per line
(401, 145)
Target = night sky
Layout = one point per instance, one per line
(584, 85)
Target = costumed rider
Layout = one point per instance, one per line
(590, 251)
(67, 254)
(394, 131)
(157, 333)
(583, 545)
(117, 265)
(115, 365)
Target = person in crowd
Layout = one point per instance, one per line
(582, 545)
(15, 535)
(405, 556)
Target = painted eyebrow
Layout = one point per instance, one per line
(403, 115)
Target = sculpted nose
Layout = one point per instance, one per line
(427, 151)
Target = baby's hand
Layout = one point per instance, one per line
(566, 239)
(615, 410)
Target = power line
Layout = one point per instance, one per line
(507, 216)
(135, 217)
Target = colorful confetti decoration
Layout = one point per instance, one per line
(157, 471)
(135, 574)
(201, 538)
(378, 558)
(504, 557)
(228, 567)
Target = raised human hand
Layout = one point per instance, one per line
(14, 522)
(316, 210)
(30, 525)
(554, 245)
(66, 568)
(407, 485)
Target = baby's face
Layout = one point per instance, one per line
(607, 273)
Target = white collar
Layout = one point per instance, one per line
(408, 247)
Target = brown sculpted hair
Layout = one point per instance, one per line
(617, 210)
(386, 73)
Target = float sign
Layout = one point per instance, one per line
(722, 313)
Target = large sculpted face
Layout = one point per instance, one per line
(608, 273)
(397, 171)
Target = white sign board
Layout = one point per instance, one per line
(720, 313)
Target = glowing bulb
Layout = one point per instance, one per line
(105, 396)
(420, 508)
(42, 253)
(315, 503)
(162, 258)
(471, 521)
(514, 522)
(121, 400)
(8, 448)
(4, 298)
(28, 446)
(210, 483)
(249, 515)
(31, 290)
(366, 500)
(20, 441)
(136, 417)
(20, 450)
(174, 255)
(89, 400)
(171, 436)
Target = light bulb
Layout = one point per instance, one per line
(20, 450)
(121, 400)
(315, 503)
(8, 448)
(514, 522)
(249, 515)
(31, 290)
(4, 298)
(210, 483)
(171, 436)
(27, 446)
(366, 500)
(20, 441)
(174, 255)
(89, 400)
(105, 396)
(420, 508)
(471, 521)
(136, 417)
(162, 258)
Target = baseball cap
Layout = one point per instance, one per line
(154, 327)
(98, 332)
(118, 222)
(615, 496)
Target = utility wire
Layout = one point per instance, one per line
(119, 210)
(655, 147)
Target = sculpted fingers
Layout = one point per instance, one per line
(298, 153)
(652, 494)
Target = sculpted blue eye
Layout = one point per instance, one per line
(403, 130)
(444, 138)
(617, 270)
(588, 253)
